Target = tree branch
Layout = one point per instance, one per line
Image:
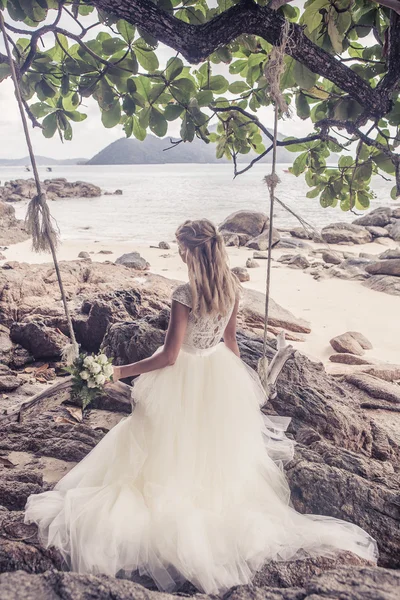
(197, 42)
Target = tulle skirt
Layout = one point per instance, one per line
(190, 487)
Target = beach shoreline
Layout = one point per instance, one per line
(332, 306)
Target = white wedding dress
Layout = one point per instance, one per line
(190, 486)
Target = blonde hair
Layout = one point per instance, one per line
(214, 287)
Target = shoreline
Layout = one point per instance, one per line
(332, 306)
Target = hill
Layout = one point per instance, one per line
(153, 151)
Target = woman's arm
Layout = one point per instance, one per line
(168, 355)
(230, 331)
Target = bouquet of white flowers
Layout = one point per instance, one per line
(89, 375)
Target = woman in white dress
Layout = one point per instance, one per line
(190, 487)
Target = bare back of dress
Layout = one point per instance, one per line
(205, 332)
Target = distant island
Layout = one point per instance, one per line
(42, 161)
(153, 150)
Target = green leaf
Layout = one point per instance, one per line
(313, 193)
(129, 105)
(4, 71)
(146, 57)
(49, 125)
(187, 129)
(363, 172)
(299, 165)
(172, 111)
(346, 161)
(126, 30)
(361, 200)
(394, 193)
(204, 98)
(128, 126)
(312, 17)
(174, 68)
(138, 131)
(218, 84)
(303, 76)
(41, 109)
(76, 116)
(302, 106)
(334, 35)
(111, 117)
(113, 45)
(238, 87)
(384, 163)
(238, 66)
(158, 123)
(224, 54)
(70, 102)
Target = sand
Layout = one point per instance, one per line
(332, 306)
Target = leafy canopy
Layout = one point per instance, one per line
(92, 52)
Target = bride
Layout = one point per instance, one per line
(190, 487)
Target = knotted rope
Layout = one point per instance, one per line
(273, 72)
(38, 219)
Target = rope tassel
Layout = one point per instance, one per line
(38, 223)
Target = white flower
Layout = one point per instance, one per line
(102, 359)
(91, 384)
(95, 368)
(108, 370)
(89, 360)
(100, 379)
(84, 375)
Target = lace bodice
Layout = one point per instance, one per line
(202, 332)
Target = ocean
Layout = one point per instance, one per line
(157, 198)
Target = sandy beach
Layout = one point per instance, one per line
(332, 306)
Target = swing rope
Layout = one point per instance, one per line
(38, 219)
(273, 72)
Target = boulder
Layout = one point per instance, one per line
(261, 242)
(349, 359)
(394, 230)
(379, 217)
(385, 267)
(300, 232)
(133, 260)
(84, 255)
(361, 339)
(396, 213)
(164, 246)
(377, 232)
(390, 253)
(286, 242)
(337, 233)
(251, 263)
(40, 340)
(12, 230)
(346, 343)
(249, 222)
(331, 258)
(383, 241)
(298, 262)
(241, 273)
(231, 239)
(130, 342)
(389, 284)
(252, 314)
(9, 382)
(59, 187)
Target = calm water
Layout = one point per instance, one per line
(157, 198)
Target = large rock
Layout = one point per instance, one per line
(300, 232)
(385, 267)
(338, 233)
(390, 284)
(249, 222)
(375, 387)
(261, 242)
(377, 232)
(133, 260)
(394, 230)
(379, 217)
(332, 258)
(252, 314)
(347, 343)
(12, 230)
(390, 253)
(40, 341)
(241, 273)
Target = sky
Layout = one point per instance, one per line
(90, 136)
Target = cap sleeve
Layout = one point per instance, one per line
(183, 295)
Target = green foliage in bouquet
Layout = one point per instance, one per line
(89, 375)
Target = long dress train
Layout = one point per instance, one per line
(190, 486)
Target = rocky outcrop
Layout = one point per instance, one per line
(12, 230)
(379, 217)
(350, 343)
(384, 283)
(25, 189)
(261, 242)
(338, 233)
(38, 339)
